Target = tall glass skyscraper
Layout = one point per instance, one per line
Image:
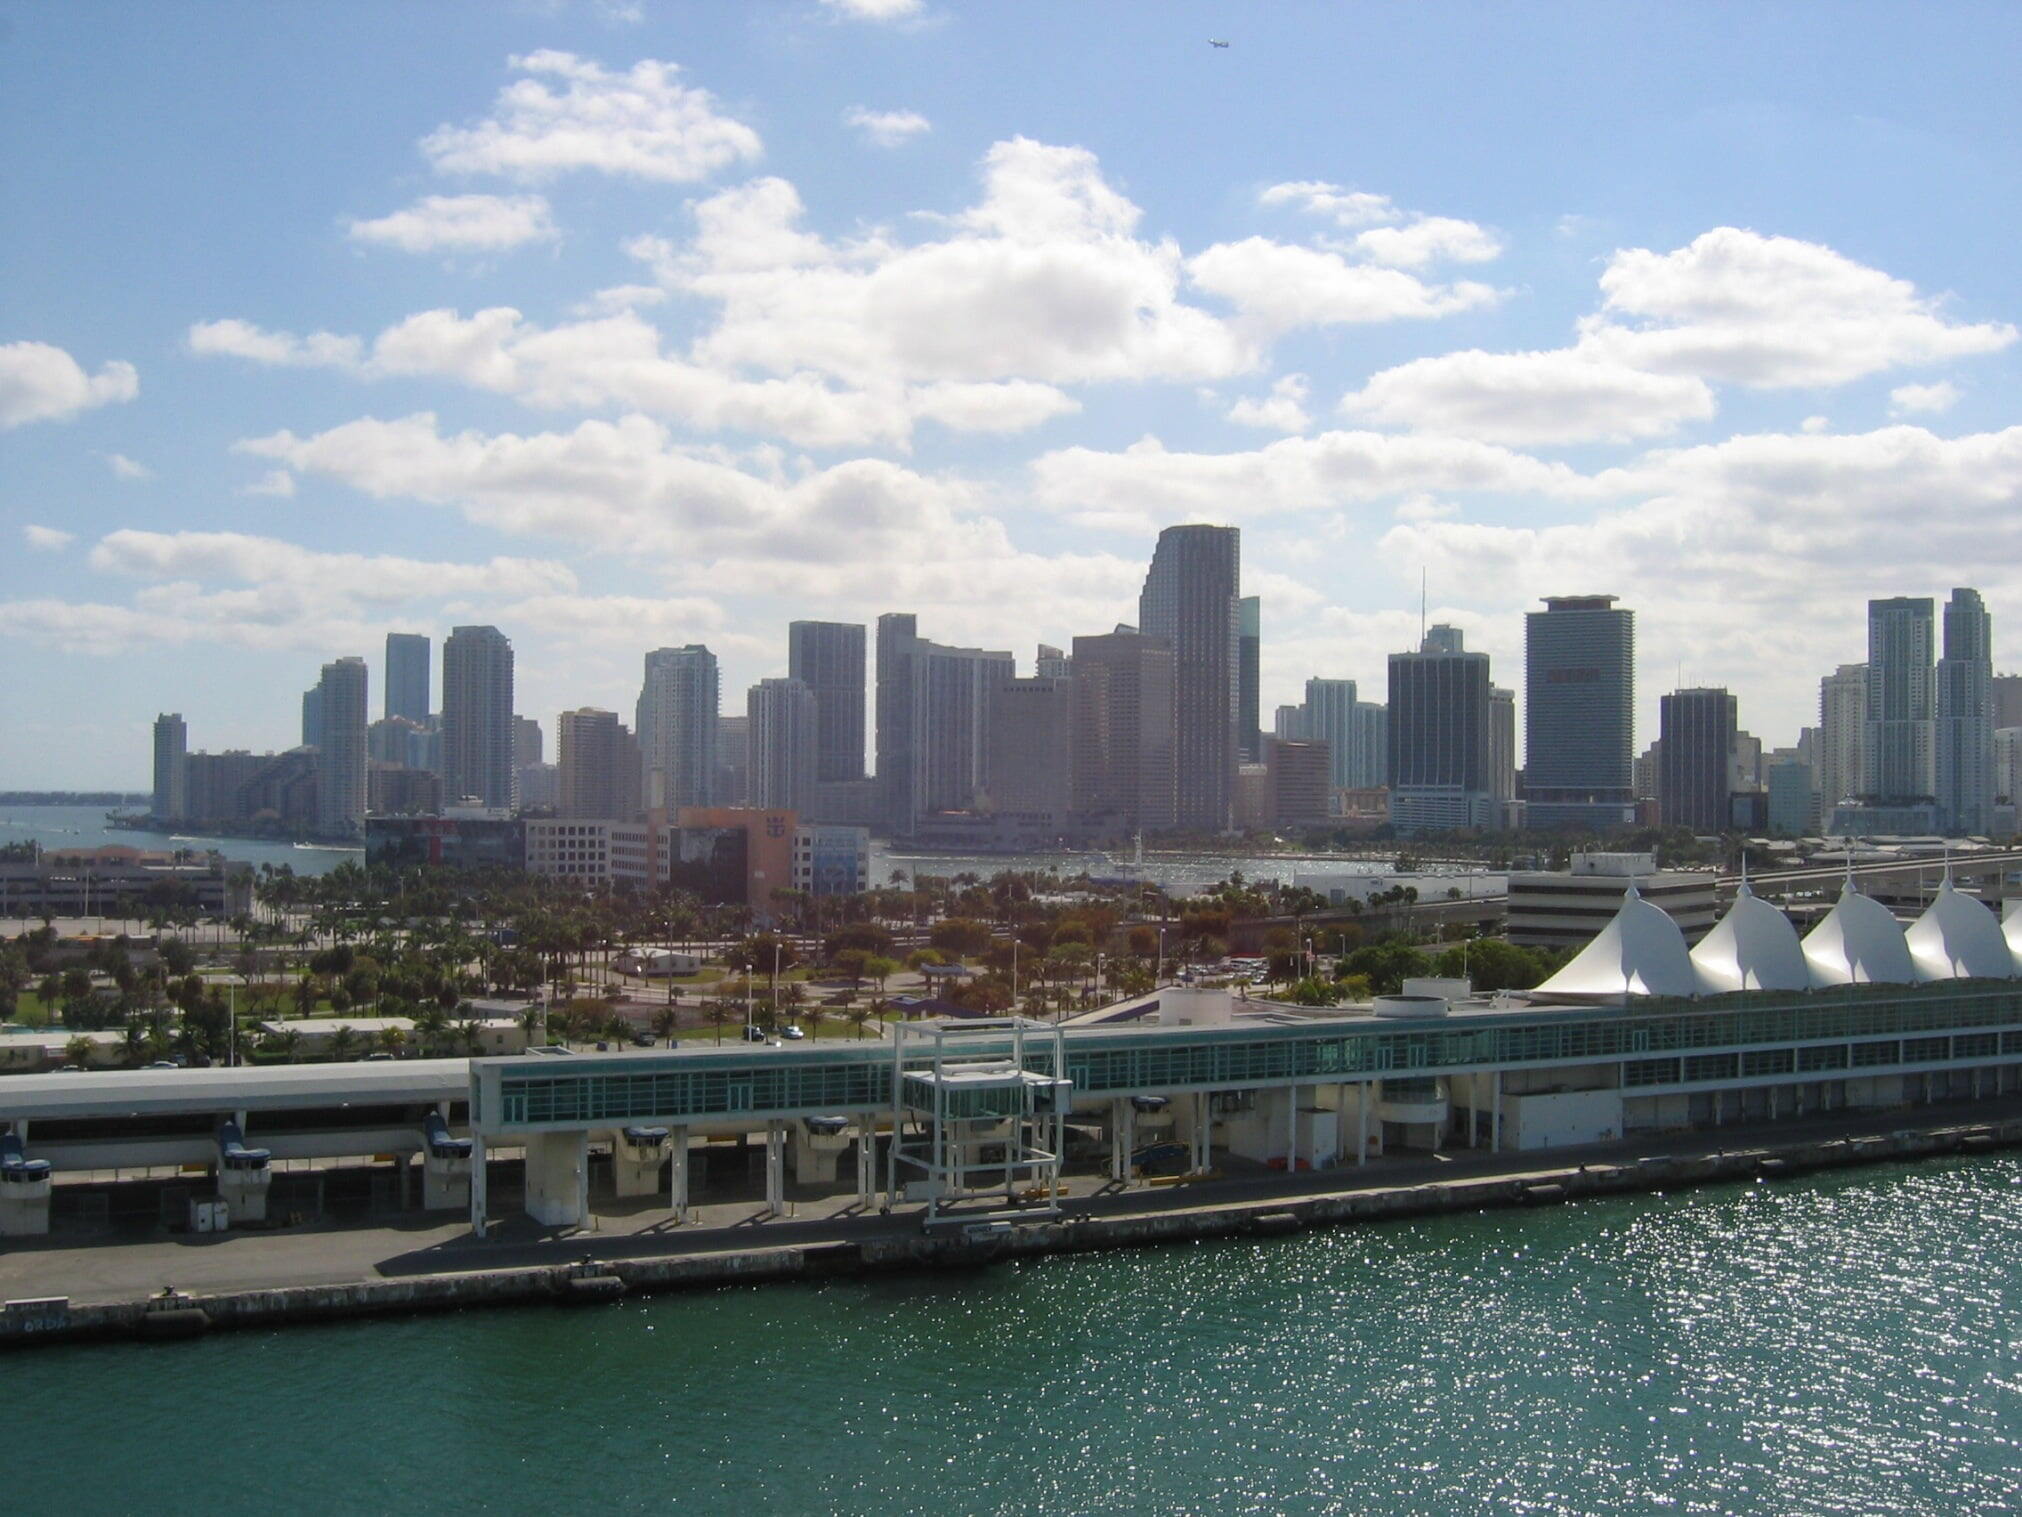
(1579, 713)
(340, 759)
(679, 703)
(1697, 733)
(407, 676)
(1249, 675)
(1441, 746)
(1964, 751)
(477, 717)
(828, 657)
(1901, 709)
(1191, 601)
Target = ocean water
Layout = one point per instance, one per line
(1844, 1344)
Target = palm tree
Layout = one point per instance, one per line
(342, 1042)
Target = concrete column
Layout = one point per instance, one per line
(478, 1220)
(1362, 1123)
(775, 1170)
(1129, 1139)
(867, 1156)
(1495, 1113)
(1204, 1133)
(557, 1178)
(1116, 1150)
(1291, 1129)
(677, 1173)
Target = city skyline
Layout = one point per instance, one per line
(621, 327)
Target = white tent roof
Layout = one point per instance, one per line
(1752, 947)
(1859, 943)
(1957, 938)
(2011, 926)
(1640, 952)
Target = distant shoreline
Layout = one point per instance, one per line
(74, 797)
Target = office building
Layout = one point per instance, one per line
(1566, 908)
(341, 791)
(312, 717)
(528, 746)
(400, 741)
(1051, 663)
(1579, 715)
(1028, 770)
(598, 776)
(733, 760)
(1249, 660)
(477, 718)
(1693, 768)
(782, 735)
(677, 715)
(1288, 722)
(407, 677)
(1842, 735)
(1191, 601)
(1502, 786)
(1900, 707)
(1793, 804)
(171, 768)
(828, 658)
(1439, 738)
(1963, 753)
(1329, 717)
(1369, 746)
(2005, 694)
(1125, 777)
(831, 860)
(1301, 781)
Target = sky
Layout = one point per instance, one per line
(628, 323)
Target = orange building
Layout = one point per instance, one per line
(768, 847)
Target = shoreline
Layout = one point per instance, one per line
(614, 1270)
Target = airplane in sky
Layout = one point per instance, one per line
(1216, 42)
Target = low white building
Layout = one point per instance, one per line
(1565, 908)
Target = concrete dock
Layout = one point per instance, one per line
(65, 1290)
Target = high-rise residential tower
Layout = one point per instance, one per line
(1501, 745)
(1842, 736)
(340, 757)
(1440, 738)
(1249, 674)
(679, 703)
(898, 635)
(933, 722)
(1698, 729)
(783, 727)
(1192, 601)
(407, 676)
(828, 657)
(1579, 713)
(1900, 704)
(312, 717)
(477, 717)
(1964, 750)
(1027, 769)
(171, 768)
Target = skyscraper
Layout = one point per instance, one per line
(828, 657)
(407, 676)
(1191, 600)
(1440, 742)
(1329, 717)
(1964, 751)
(678, 708)
(171, 768)
(1842, 736)
(340, 757)
(1697, 735)
(1579, 715)
(477, 717)
(1501, 745)
(933, 721)
(1249, 674)
(1900, 706)
(312, 717)
(1125, 778)
(528, 744)
(1027, 769)
(598, 777)
(783, 725)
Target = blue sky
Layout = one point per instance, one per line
(622, 325)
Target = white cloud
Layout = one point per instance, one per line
(1557, 396)
(125, 468)
(1350, 208)
(376, 579)
(461, 224)
(887, 128)
(1770, 312)
(1907, 399)
(1145, 484)
(1283, 410)
(241, 339)
(643, 123)
(1815, 424)
(278, 483)
(1430, 239)
(1280, 286)
(39, 382)
(46, 539)
(876, 10)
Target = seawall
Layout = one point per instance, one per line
(184, 1314)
